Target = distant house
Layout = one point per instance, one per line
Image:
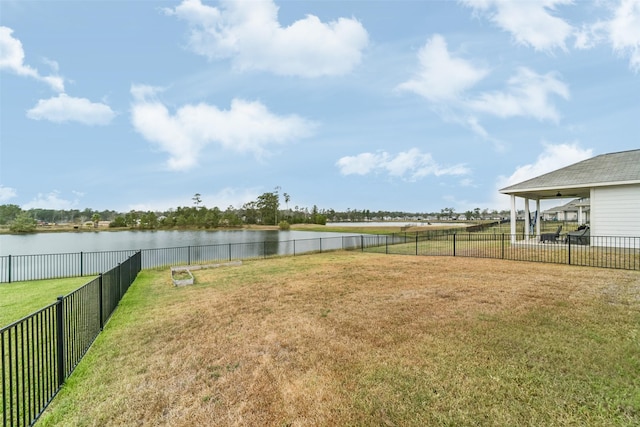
(608, 185)
(576, 210)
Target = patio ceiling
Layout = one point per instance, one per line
(561, 192)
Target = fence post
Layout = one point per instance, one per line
(100, 295)
(321, 245)
(294, 248)
(416, 244)
(362, 242)
(60, 341)
(386, 243)
(502, 246)
(188, 255)
(119, 284)
(264, 249)
(81, 269)
(454, 244)
(229, 252)
(9, 268)
(569, 249)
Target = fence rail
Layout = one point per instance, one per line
(38, 352)
(16, 268)
(596, 251)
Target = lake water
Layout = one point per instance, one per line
(72, 242)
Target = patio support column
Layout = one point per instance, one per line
(539, 217)
(580, 221)
(513, 218)
(527, 223)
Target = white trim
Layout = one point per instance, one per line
(570, 187)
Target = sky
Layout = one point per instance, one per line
(411, 106)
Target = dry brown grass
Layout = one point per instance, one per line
(361, 339)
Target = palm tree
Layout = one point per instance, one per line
(96, 219)
(286, 200)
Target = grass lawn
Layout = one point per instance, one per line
(19, 299)
(351, 338)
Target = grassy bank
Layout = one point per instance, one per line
(20, 299)
(366, 339)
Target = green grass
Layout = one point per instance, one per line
(19, 299)
(367, 339)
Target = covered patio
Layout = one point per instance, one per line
(538, 195)
(608, 185)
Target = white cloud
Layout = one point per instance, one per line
(621, 31)
(528, 95)
(446, 81)
(552, 158)
(7, 193)
(362, 164)
(530, 23)
(64, 108)
(472, 123)
(442, 77)
(222, 199)
(12, 59)
(410, 165)
(249, 33)
(245, 127)
(624, 31)
(50, 200)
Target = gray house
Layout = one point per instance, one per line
(610, 183)
(576, 210)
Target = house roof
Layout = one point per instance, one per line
(576, 180)
(571, 206)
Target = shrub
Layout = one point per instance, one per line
(284, 225)
(23, 223)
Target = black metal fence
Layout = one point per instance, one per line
(594, 251)
(16, 268)
(38, 352)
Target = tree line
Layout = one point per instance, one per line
(265, 210)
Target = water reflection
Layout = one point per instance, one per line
(50, 243)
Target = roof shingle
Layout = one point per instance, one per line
(618, 167)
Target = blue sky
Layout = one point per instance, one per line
(382, 105)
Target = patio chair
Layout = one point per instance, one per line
(579, 237)
(551, 237)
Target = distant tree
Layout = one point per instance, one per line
(118, 221)
(320, 219)
(287, 198)
(250, 212)
(131, 219)
(212, 218)
(149, 220)
(197, 200)
(96, 219)
(8, 213)
(268, 204)
(86, 214)
(23, 223)
(448, 212)
(230, 218)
